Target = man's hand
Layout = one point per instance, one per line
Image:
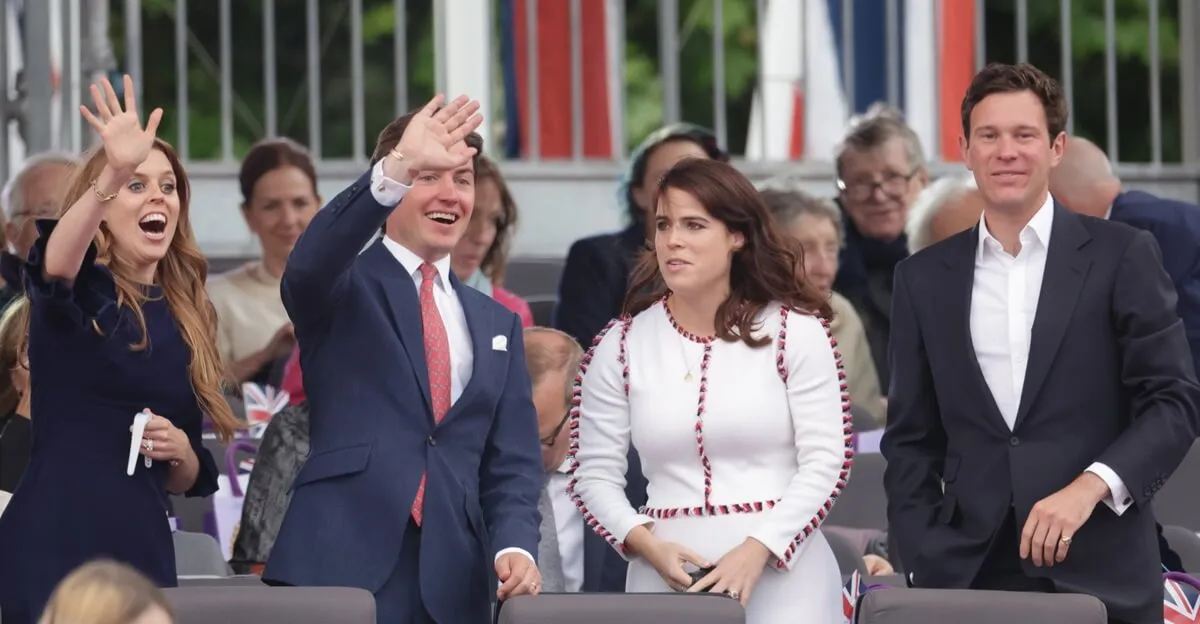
(435, 139)
(1054, 520)
(518, 575)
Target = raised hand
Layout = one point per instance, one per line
(126, 143)
(435, 139)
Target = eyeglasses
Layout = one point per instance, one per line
(551, 439)
(893, 185)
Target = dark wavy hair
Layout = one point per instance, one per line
(768, 268)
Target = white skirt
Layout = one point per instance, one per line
(810, 593)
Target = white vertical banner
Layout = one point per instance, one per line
(922, 73)
(16, 60)
(467, 33)
(783, 55)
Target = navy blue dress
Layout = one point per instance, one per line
(75, 503)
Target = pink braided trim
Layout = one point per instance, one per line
(847, 432)
(573, 424)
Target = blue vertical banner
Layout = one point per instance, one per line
(508, 61)
(869, 45)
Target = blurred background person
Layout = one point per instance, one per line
(279, 191)
(1084, 182)
(880, 171)
(481, 256)
(16, 432)
(34, 192)
(107, 592)
(950, 205)
(596, 274)
(817, 224)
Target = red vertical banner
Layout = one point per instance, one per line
(956, 67)
(553, 61)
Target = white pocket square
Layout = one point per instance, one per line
(500, 343)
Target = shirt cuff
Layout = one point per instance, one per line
(1118, 499)
(515, 550)
(386, 191)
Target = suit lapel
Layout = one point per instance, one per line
(400, 293)
(960, 263)
(1066, 269)
(480, 326)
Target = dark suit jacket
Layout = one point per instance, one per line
(372, 435)
(595, 277)
(1109, 379)
(1175, 225)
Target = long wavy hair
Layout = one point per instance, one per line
(181, 273)
(768, 268)
(14, 338)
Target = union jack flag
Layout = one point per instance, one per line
(854, 588)
(1181, 602)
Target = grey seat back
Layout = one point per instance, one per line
(623, 608)
(271, 605)
(1176, 503)
(1186, 544)
(198, 554)
(862, 503)
(922, 606)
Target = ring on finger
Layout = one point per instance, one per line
(733, 593)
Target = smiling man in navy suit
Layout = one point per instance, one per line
(424, 471)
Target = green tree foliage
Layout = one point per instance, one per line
(643, 89)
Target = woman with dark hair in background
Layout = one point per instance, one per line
(723, 374)
(596, 274)
(279, 191)
(119, 325)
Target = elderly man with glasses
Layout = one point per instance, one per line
(881, 171)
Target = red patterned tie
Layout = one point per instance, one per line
(437, 358)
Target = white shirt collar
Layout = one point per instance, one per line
(412, 263)
(1038, 229)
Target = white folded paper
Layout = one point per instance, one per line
(135, 440)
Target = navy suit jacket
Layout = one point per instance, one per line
(358, 324)
(1175, 226)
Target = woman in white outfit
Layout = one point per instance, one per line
(724, 376)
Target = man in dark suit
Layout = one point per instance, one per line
(1042, 386)
(423, 475)
(1084, 182)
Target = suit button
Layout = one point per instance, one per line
(431, 441)
(1014, 441)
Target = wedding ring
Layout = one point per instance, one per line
(1066, 539)
(396, 154)
(149, 444)
(733, 593)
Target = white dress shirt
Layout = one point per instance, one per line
(1004, 302)
(388, 192)
(569, 525)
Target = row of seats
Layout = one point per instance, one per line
(208, 592)
(245, 603)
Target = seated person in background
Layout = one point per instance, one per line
(817, 224)
(16, 432)
(107, 592)
(35, 192)
(595, 276)
(950, 205)
(279, 189)
(481, 255)
(281, 454)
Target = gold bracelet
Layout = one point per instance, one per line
(100, 196)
